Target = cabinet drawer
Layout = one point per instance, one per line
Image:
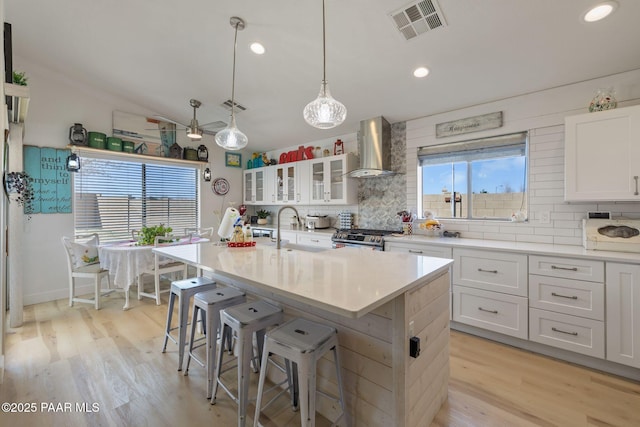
(571, 333)
(314, 240)
(492, 271)
(506, 314)
(418, 249)
(569, 268)
(574, 297)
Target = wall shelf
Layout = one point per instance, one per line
(120, 155)
(19, 102)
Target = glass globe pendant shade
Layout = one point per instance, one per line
(230, 138)
(324, 112)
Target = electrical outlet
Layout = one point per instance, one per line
(411, 328)
(545, 217)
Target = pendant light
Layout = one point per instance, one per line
(230, 138)
(324, 112)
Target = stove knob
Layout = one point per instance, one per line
(378, 239)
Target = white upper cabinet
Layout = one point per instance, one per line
(257, 186)
(329, 182)
(602, 155)
(290, 183)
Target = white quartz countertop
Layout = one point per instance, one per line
(347, 281)
(521, 247)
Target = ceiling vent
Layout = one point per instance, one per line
(238, 107)
(417, 18)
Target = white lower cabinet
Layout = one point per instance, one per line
(490, 291)
(623, 313)
(492, 271)
(566, 299)
(573, 297)
(311, 239)
(494, 311)
(572, 333)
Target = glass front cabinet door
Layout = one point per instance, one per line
(256, 188)
(329, 181)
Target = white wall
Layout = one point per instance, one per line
(542, 114)
(56, 103)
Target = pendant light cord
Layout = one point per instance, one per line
(233, 76)
(324, 48)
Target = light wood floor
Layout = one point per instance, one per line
(112, 359)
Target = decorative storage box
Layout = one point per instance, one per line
(619, 235)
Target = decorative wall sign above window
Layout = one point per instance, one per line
(470, 124)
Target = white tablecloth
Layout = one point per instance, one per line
(125, 261)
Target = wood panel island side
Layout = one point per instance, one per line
(376, 300)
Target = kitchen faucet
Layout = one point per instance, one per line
(279, 211)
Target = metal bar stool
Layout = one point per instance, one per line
(302, 342)
(183, 290)
(244, 321)
(209, 304)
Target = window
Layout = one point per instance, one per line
(478, 179)
(112, 197)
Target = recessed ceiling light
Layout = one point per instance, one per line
(600, 11)
(257, 48)
(421, 72)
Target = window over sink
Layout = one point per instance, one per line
(480, 179)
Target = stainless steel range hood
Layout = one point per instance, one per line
(374, 146)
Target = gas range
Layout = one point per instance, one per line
(361, 237)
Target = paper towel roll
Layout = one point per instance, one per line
(226, 225)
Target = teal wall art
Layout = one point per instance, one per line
(50, 179)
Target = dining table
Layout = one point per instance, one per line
(126, 260)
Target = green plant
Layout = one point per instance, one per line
(148, 235)
(19, 78)
(20, 184)
(263, 214)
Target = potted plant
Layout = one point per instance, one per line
(19, 78)
(262, 216)
(147, 235)
(20, 183)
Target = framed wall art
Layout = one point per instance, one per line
(232, 160)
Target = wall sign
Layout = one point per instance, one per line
(50, 179)
(470, 124)
(302, 153)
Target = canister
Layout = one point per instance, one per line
(97, 140)
(114, 144)
(127, 146)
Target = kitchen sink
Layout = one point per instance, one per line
(294, 247)
(286, 246)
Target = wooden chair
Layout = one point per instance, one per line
(83, 263)
(162, 266)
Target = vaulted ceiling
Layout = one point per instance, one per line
(159, 54)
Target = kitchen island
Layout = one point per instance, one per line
(376, 300)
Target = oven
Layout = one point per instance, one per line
(360, 238)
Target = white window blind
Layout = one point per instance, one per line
(113, 197)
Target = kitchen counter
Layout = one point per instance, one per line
(520, 247)
(350, 282)
(376, 300)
